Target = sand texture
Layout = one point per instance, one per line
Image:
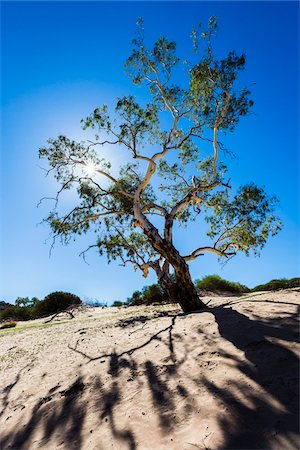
(152, 378)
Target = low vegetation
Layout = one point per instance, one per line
(56, 302)
(274, 285)
(215, 283)
(148, 295)
(26, 309)
(10, 324)
(17, 313)
(118, 303)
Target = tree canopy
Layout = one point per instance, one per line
(170, 177)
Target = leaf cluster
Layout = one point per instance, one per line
(244, 222)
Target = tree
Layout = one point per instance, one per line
(153, 293)
(136, 299)
(26, 301)
(168, 179)
(149, 294)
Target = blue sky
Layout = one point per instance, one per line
(62, 59)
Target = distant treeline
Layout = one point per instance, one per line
(27, 309)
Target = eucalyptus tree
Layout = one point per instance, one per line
(170, 177)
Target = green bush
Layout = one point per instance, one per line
(4, 305)
(216, 283)
(14, 312)
(135, 299)
(153, 294)
(274, 285)
(118, 303)
(148, 295)
(54, 303)
(26, 309)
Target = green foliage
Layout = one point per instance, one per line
(247, 217)
(148, 295)
(136, 299)
(153, 294)
(216, 283)
(95, 303)
(170, 175)
(56, 302)
(274, 285)
(4, 305)
(118, 303)
(17, 313)
(26, 301)
(32, 309)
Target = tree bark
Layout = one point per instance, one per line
(183, 291)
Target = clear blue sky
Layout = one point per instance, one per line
(62, 59)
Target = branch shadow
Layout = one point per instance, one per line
(273, 367)
(107, 400)
(129, 352)
(6, 391)
(246, 424)
(61, 414)
(65, 416)
(124, 323)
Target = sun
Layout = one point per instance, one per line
(90, 169)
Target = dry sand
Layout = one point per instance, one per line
(154, 378)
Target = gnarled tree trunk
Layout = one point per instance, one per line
(183, 291)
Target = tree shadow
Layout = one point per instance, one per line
(142, 319)
(6, 391)
(248, 299)
(107, 400)
(129, 352)
(253, 423)
(269, 364)
(162, 397)
(61, 413)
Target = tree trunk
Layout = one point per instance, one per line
(185, 291)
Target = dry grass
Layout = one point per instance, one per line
(10, 324)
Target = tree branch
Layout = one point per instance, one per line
(201, 250)
(154, 206)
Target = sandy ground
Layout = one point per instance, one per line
(154, 378)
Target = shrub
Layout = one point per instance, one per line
(117, 303)
(17, 313)
(135, 299)
(148, 295)
(216, 283)
(10, 324)
(55, 302)
(4, 305)
(153, 294)
(274, 285)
